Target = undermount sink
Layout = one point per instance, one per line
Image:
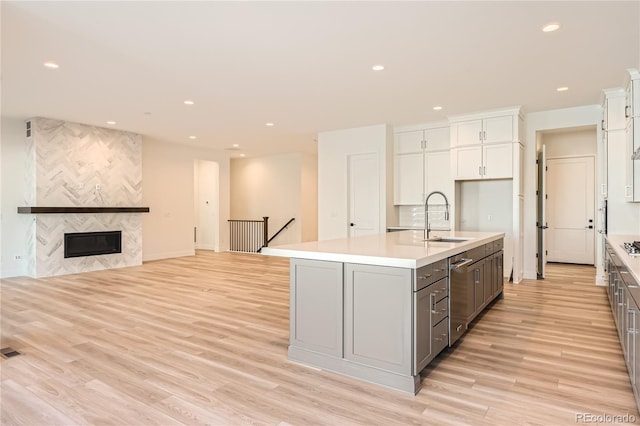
(448, 239)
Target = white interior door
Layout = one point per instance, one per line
(364, 194)
(207, 205)
(541, 222)
(571, 210)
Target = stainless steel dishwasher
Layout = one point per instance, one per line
(464, 273)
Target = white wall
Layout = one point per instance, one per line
(487, 206)
(207, 204)
(280, 187)
(572, 143)
(589, 115)
(309, 197)
(334, 149)
(14, 227)
(168, 190)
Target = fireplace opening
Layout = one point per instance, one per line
(80, 244)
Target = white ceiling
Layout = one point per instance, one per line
(305, 66)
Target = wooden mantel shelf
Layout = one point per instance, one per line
(41, 210)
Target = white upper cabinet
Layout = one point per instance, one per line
(409, 142)
(481, 131)
(632, 130)
(498, 129)
(632, 104)
(482, 144)
(421, 163)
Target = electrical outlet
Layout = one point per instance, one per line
(18, 257)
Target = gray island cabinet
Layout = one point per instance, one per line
(378, 319)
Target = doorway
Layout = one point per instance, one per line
(566, 196)
(206, 233)
(364, 194)
(570, 210)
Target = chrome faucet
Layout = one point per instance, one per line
(427, 227)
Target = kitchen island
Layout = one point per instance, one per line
(378, 307)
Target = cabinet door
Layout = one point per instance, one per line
(378, 317)
(498, 161)
(437, 173)
(498, 129)
(423, 301)
(316, 306)
(498, 275)
(630, 335)
(408, 142)
(437, 138)
(488, 284)
(622, 315)
(632, 184)
(467, 133)
(408, 182)
(478, 287)
(466, 163)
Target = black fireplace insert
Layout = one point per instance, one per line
(80, 244)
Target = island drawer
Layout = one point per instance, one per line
(439, 289)
(429, 274)
(439, 310)
(440, 337)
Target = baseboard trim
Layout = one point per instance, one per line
(168, 255)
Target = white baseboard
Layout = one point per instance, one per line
(13, 272)
(168, 255)
(207, 247)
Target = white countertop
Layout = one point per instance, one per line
(403, 249)
(631, 262)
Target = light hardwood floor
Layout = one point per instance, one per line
(203, 340)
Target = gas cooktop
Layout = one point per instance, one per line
(632, 248)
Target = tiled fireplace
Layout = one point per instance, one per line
(78, 166)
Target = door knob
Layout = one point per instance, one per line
(352, 224)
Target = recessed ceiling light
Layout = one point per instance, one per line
(235, 145)
(192, 137)
(189, 102)
(147, 113)
(562, 89)
(241, 155)
(552, 26)
(268, 124)
(377, 67)
(51, 65)
(437, 108)
(111, 122)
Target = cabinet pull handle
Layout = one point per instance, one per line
(480, 170)
(484, 135)
(438, 270)
(602, 125)
(484, 170)
(480, 135)
(424, 277)
(626, 111)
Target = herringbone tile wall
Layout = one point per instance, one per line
(75, 165)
